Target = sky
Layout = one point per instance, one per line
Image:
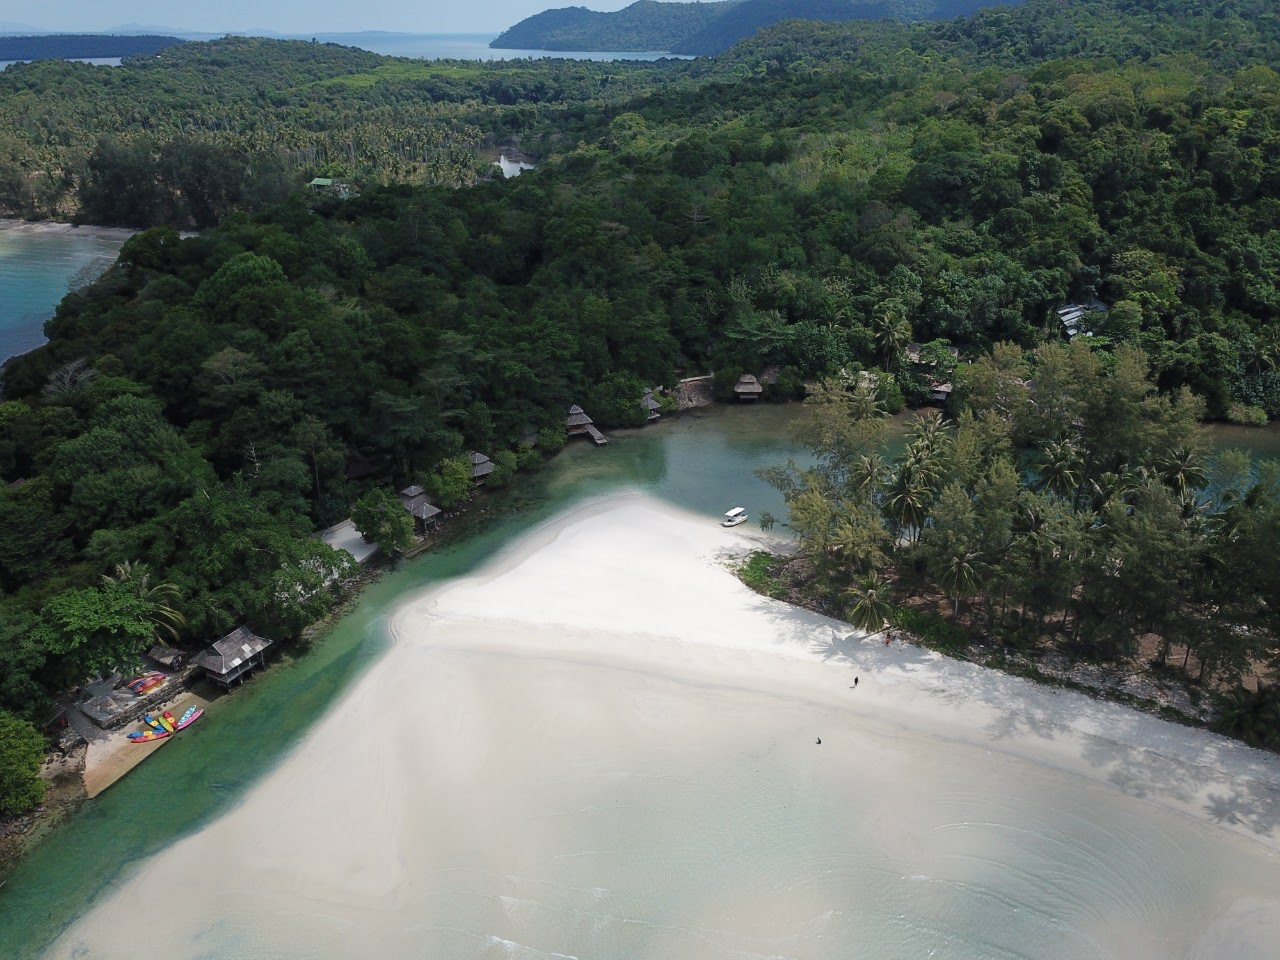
(284, 16)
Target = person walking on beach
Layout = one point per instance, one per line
(855, 683)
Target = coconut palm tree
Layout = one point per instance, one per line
(868, 471)
(1059, 468)
(864, 400)
(871, 609)
(892, 333)
(1182, 470)
(959, 578)
(907, 500)
(165, 618)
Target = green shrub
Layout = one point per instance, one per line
(551, 440)
(452, 482)
(1247, 415)
(21, 753)
(935, 631)
(761, 572)
(528, 457)
(504, 468)
(381, 518)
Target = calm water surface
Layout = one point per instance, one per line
(463, 46)
(38, 264)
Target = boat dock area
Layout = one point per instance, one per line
(111, 754)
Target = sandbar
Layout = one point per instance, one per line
(602, 745)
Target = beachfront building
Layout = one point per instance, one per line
(748, 388)
(169, 657)
(425, 513)
(481, 466)
(580, 425)
(229, 660)
(652, 408)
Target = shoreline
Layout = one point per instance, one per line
(615, 636)
(933, 673)
(60, 228)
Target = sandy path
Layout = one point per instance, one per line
(602, 745)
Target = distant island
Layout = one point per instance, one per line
(702, 29)
(81, 46)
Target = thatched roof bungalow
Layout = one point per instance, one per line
(748, 388)
(649, 403)
(229, 660)
(415, 500)
(168, 657)
(580, 425)
(481, 466)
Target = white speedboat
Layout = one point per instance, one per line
(734, 517)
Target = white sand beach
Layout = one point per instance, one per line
(603, 746)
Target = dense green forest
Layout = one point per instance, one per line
(815, 199)
(71, 45)
(702, 29)
(202, 129)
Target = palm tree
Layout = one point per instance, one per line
(1059, 468)
(1182, 470)
(892, 333)
(864, 401)
(165, 618)
(868, 471)
(959, 578)
(871, 608)
(907, 499)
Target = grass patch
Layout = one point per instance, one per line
(762, 573)
(933, 630)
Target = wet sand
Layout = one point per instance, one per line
(602, 745)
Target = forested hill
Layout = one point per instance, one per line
(645, 25)
(706, 28)
(81, 46)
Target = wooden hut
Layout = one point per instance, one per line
(481, 466)
(232, 658)
(168, 657)
(425, 513)
(748, 388)
(940, 391)
(650, 405)
(580, 425)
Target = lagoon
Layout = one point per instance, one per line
(627, 793)
(39, 262)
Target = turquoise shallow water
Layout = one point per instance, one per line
(703, 462)
(37, 266)
(700, 462)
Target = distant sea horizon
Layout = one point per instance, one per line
(423, 46)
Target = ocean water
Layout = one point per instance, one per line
(461, 46)
(95, 61)
(38, 264)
